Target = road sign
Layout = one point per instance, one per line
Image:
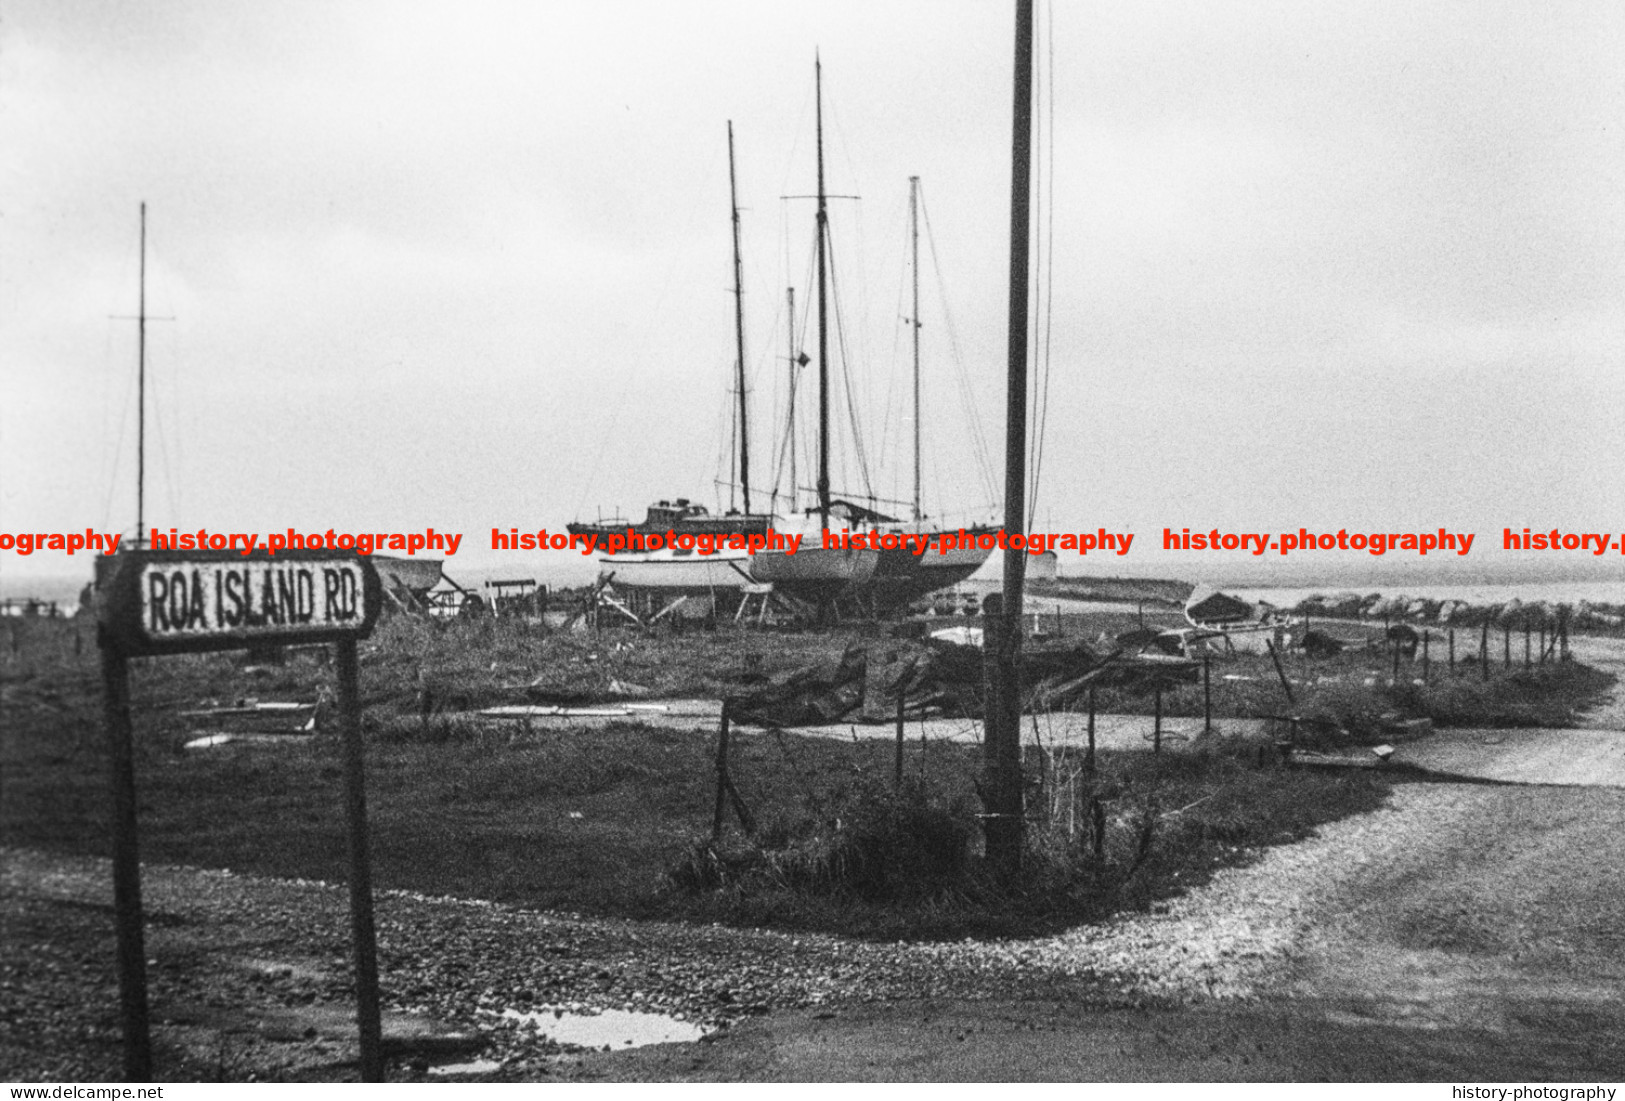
(178, 602)
(173, 602)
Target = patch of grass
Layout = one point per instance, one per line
(907, 863)
(615, 819)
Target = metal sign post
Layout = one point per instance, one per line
(181, 602)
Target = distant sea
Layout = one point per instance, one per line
(1558, 592)
(65, 589)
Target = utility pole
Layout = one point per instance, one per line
(1002, 747)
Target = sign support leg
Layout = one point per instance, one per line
(361, 922)
(132, 952)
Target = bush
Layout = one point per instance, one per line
(882, 846)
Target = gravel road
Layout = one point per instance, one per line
(1485, 912)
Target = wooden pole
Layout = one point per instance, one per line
(1156, 722)
(722, 775)
(1001, 753)
(131, 949)
(1207, 693)
(898, 778)
(1427, 637)
(1089, 760)
(1002, 782)
(364, 935)
(1452, 661)
(1286, 685)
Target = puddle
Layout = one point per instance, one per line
(612, 1028)
(209, 740)
(477, 1066)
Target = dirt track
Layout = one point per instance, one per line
(1592, 754)
(1466, 933)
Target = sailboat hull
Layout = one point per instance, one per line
(815, 573)
(904, 577)
(679, 572)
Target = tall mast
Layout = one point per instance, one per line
(914, 324)
(823, 326)
(141, 395)
(790, 312)
(739, 327)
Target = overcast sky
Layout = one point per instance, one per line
(468, 265)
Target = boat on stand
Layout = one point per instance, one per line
(875, 579)
(679, 533)
(880, 576)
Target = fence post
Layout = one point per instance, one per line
(1089, 760)
(1207, 693)
(722, 775)
(898, 779)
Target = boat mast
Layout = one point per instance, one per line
(790, 312)
(823, 326)
(914, 324)
(739, 327)
(141, 395)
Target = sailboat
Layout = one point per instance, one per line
(679, 563)
(870, 580)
